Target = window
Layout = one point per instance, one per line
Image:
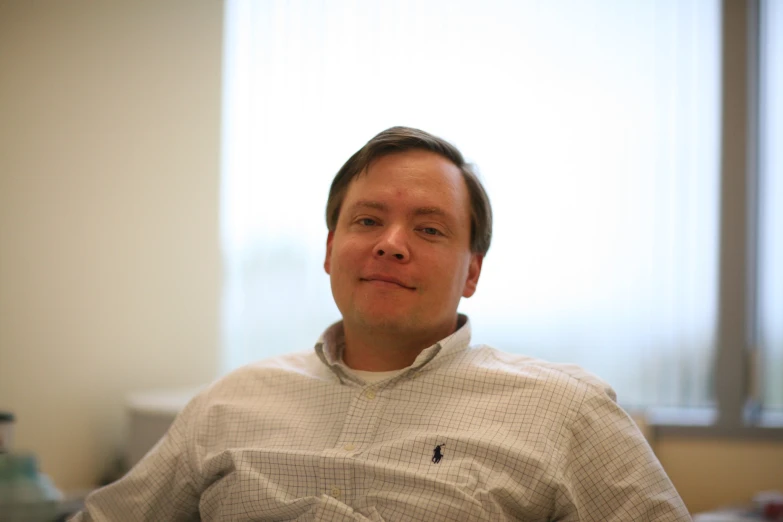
(770, 191)
(596, 128)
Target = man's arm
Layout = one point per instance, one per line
(611, 473)
(162, 486)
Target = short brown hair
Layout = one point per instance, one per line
(400, 139)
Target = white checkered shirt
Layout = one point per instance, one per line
(465, 433)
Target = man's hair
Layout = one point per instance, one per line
(401, 139)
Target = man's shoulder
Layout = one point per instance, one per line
(562, 375)
(304, 365)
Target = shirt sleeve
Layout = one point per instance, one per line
(160, 487)
(611, 473)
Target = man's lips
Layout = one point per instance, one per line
(386, 279)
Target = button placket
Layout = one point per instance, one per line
(336, 466)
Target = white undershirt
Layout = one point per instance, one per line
(373, 377)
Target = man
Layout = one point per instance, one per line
(394, 416)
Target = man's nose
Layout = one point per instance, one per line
(393, 243)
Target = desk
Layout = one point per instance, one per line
(730, 515)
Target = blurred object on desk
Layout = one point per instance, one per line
(769, 504)
(6, 432)
(151, 412)
(26, 495)
(767, 507)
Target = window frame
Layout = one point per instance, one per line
(739, 412)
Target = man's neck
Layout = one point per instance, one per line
(376, 351)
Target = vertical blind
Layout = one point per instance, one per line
(594, 125)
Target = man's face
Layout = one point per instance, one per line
(399, 257)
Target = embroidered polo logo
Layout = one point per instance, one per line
(436, 454)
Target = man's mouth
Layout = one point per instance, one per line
(387, 280)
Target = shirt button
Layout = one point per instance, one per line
(370, 394)
(349, 447)
(335, 492)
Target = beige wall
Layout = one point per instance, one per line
(109, 183)
(714, 473)
(109, 264)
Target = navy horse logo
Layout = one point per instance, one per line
(436, 454)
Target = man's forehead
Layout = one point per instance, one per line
(413, 174)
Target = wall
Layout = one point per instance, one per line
(109, 183)
(718, 472)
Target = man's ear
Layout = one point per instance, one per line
(474, 271)
(328, 259)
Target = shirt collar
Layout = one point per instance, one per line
(331, 344)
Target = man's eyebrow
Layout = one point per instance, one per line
(431, 211)
(363, 203)
(420, 211)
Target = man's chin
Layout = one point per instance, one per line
(386, 321)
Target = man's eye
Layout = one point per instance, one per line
(368, 222)
(431, 231)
